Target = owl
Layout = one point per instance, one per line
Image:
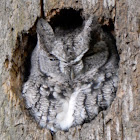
(73, 75)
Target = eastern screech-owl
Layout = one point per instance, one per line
(73, 75)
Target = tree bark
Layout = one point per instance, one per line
(18, 18)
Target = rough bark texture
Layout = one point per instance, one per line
(17, 22)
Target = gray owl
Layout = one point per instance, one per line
(73, 75)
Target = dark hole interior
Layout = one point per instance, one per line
(67, 19)
(31, 43)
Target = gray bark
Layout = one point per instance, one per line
(119, 122)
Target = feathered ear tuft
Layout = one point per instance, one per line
(46, 34)
(83, 38)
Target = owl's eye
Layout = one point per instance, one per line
(90, 52)
(52, 59)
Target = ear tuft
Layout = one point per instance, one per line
(45, 33)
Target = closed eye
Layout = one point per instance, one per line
(89, 54)
(53, 59)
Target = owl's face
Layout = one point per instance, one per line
(67, 50)
(75, 57)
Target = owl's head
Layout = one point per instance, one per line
(68, 45)
(68, 49)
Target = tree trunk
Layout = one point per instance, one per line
(18, 18)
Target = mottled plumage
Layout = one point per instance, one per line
(73, 75)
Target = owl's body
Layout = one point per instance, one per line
(73, 76)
